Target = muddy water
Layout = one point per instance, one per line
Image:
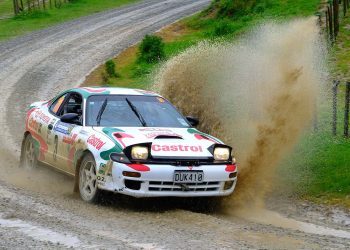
(258, 95)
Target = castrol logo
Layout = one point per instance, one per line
(176, 148)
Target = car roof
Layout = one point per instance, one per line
(89, 91)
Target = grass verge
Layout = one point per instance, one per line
(6, 8)
(36, 20)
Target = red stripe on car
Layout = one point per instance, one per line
(139, 167)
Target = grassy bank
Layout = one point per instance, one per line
(6, 8)
(208, 25)
(35, 20)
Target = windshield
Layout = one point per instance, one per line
(132, 111)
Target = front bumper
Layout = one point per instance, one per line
(157, 181)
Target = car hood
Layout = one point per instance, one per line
(185, 142)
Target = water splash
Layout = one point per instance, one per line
(258, 95)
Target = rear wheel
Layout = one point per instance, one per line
(28, 156)
(87, 179)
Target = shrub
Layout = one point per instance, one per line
(110, 68)
(151, 49)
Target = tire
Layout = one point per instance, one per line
(29, 159)
(88, 189)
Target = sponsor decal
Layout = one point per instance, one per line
(42, 116)
(33, 124)
(155, 134)
(155, 129)
(176, 148)
(43, 147)
(63, 128)
(121, 136)
(94, 90)
(69, 139)
(102, 169)
(95, 142)
(83, 132)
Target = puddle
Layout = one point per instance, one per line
(275, 219)
(40, 233)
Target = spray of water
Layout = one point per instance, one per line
(258, 95)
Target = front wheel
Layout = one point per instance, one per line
(28, 156)
(87, 179)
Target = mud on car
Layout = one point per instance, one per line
(127, 141)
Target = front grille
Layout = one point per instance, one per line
(185, 187)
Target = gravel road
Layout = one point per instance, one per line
(38, 208)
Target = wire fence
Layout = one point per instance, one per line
(333, 13)
(20, 6)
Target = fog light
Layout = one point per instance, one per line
(228, 185)
(132, 174)
(233, 175)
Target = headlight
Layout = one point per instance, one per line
(221, 154)
(139, 153)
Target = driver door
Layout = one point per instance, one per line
(64, 135)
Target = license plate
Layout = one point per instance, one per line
(188, 176)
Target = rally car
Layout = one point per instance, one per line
(127, 141)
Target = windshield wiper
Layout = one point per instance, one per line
(100, 112)
(137, 113)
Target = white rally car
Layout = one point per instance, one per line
(128, 141)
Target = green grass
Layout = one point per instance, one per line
(25, 23)
(6, 7)
(319, 168)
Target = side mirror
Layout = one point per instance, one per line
(71, 118)
(192, 120)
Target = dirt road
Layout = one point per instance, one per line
(38, 208)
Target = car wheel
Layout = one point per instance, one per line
(28, 156)
(88, 180)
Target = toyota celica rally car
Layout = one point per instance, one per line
(127, 141)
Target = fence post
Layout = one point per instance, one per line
(346, 114)
(15, 9)
(344, 7)
(330, 19)
(336, 17)
(335, 103)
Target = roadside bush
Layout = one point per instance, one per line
(110, 68)
(151, 49)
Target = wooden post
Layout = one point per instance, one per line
(344, 7)
(335, 104)
(330, 19)
(15, 9)
(346, 112)
(336, 17)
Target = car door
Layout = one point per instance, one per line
(64, 135)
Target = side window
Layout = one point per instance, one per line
(73, 104)
(55, 106)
